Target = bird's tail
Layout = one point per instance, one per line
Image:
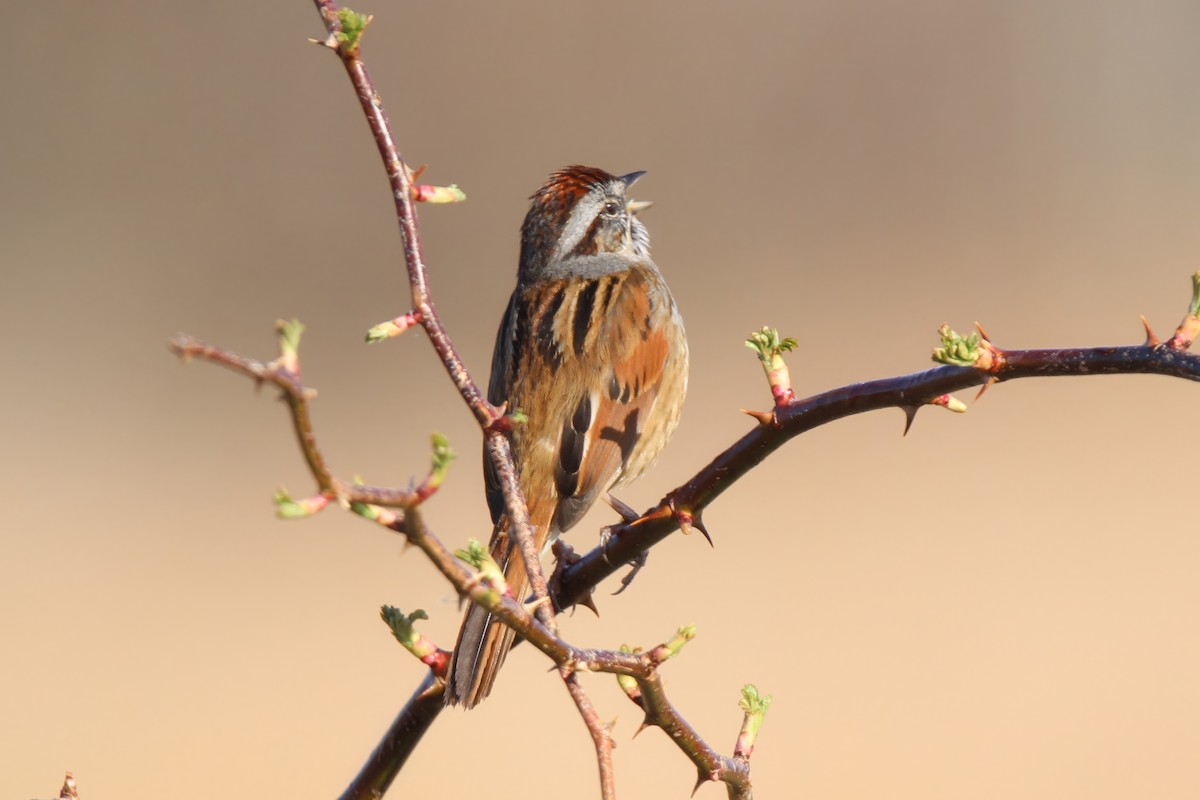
(484, 641)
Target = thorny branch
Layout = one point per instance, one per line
(601, 738)
(973, 363)
(627, 540)
(401, 514)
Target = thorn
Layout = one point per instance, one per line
(1151, 339)
(328, 41)
(687, 522)
(536, 604)
(646, 723)
(764, 417)
(626, 511)
(910, 413)
(983, 388)
(982, 333)
(703, 778)
(589, 602)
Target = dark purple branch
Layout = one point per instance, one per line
(393, 750)
(629, 540)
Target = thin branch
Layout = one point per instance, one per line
(599, 731)
(646, 690)
(500, 451)
(400, 180)
(297, 397)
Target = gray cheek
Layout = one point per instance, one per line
(576, 228)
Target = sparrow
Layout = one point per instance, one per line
(591, 349)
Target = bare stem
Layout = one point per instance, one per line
(400, 180)
(499, 451)
(599, 731)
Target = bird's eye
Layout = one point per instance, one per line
(612, 208)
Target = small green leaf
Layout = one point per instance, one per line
(752, 702)
(474, 553)
(380, 332)
(288, 332)
(442, 456)
(286, 507)
(353, 25)
(956, 350)
(402, 624)
(682, 636)
(767, 344)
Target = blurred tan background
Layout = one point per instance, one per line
(1002, 604)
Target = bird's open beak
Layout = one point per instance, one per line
(634, 206)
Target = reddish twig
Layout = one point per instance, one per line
(647, 692)
(297, 396)
(423, 312)
(400, 180)
(599, 731)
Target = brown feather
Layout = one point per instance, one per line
(586, 357)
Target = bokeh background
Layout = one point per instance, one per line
(1001, 604)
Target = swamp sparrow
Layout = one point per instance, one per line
(591, 349)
